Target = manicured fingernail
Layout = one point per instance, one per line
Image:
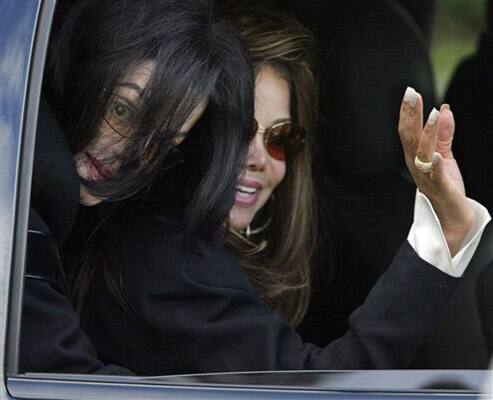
(432, 118)
(411, 96)
(444, 106)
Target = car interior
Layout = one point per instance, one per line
(369, 53)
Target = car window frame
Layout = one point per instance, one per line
(32, 94)
(214, 386)
(61, 386)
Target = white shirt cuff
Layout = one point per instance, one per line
(428, 241)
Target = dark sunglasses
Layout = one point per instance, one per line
(123, 118)
(173, 155)
(282, 139)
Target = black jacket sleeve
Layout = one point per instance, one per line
(194, 313)
(51, 338)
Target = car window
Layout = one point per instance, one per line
(459, 26)
(25, 37)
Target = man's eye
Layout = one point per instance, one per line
(121, 116)
(120, 111)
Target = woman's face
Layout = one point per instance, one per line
(99, 160)
(262, 173)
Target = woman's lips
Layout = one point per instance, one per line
(247, 192)
(97, 169)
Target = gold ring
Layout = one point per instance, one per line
(424, 167)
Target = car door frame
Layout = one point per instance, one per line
(16, 179)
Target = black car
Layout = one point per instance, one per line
(390, 46)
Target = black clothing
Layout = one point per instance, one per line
(362, 51)
(469, 94)
(194, 313)
(51, 339)
(55, 186)
(485, 305)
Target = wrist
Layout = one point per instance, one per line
(455, 229)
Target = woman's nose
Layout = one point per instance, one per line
(257, 155)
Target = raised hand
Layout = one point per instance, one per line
(429, 158)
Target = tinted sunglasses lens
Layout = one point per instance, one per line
(295, 141)
(120, 116)
(172, 158)
(285, 140)
(276, 140)
(151, 152)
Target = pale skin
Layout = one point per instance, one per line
(443, 185)
(109, 143)
(272, 104)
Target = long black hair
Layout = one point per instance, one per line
(199, 59)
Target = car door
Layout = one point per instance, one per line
(25, 26)
(24, 37)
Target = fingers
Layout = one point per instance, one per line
(428, 140)
(437, 174)
(420, 143)
(445, 132)
(410, 121)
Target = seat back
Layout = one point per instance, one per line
(469, 94)
(470, 314)
(369, 53)
(55, 184)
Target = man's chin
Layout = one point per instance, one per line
(87, 199)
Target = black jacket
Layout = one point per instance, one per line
(51, 338)
(194, 313)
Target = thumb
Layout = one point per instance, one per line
(445, 132)
(437, 173)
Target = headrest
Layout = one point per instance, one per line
(485, 49)
(55, 184)
(489, 12)
(371, 55)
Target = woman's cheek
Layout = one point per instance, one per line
(279, 172)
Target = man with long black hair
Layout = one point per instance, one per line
(126, 80)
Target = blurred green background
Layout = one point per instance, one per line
(458, 26)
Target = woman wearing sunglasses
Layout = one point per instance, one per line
(199, 310)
